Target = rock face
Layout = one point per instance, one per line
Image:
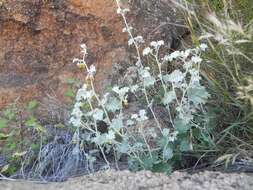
(40, 38)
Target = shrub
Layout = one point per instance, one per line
(154, 147)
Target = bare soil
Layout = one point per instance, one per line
(124, 180)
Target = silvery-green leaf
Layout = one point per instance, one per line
(167, 153)
(152, 132)
(185, 145)
(123, 91)
(149, 81)
(110, 136)
(181, 126)
(98, 114)
(130, 122)
(168, 97)
(166, 78)
(165, 132)
(198, 95)
(123, 147)
(99, 139)
(113, 104)
(117, 124)
(176, 77)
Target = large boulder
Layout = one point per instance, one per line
(40, 38)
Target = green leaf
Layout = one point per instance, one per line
(4, 136)
(149, 161)
(32, 105)
(69, 93)
(123, 147)
(31, 122)
(185, 145)
(3, 123)
(162, 168)
(35, 146)
(163, 141)
(181, 126)
(9, 114)
(70, 81)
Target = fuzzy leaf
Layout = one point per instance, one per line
(185, 145)
(169, 97)
(198, 95)
(98, 114)
(149, 81)
(113, 104)
(167, 153)
(117, 124)
(181, 126)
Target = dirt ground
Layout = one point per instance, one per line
(125, 180)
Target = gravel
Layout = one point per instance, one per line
(125, 180)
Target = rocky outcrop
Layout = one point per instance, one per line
(40, 38)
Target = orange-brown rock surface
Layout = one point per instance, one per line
(40, 38)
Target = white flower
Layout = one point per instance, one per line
(134, 116)
(174, 55)
(203, 47)
(196, 59)
(130, 41)
(186, 53)
(187, 65)
(139, 39)
(134, 88)
(157, 44)
(92, 70)
(122, 11)
(160, 42)
(119, 11)
(146, 51)
(142, 114)
(84, 49)
(127, 29)
(126, 10)
(76, 60)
